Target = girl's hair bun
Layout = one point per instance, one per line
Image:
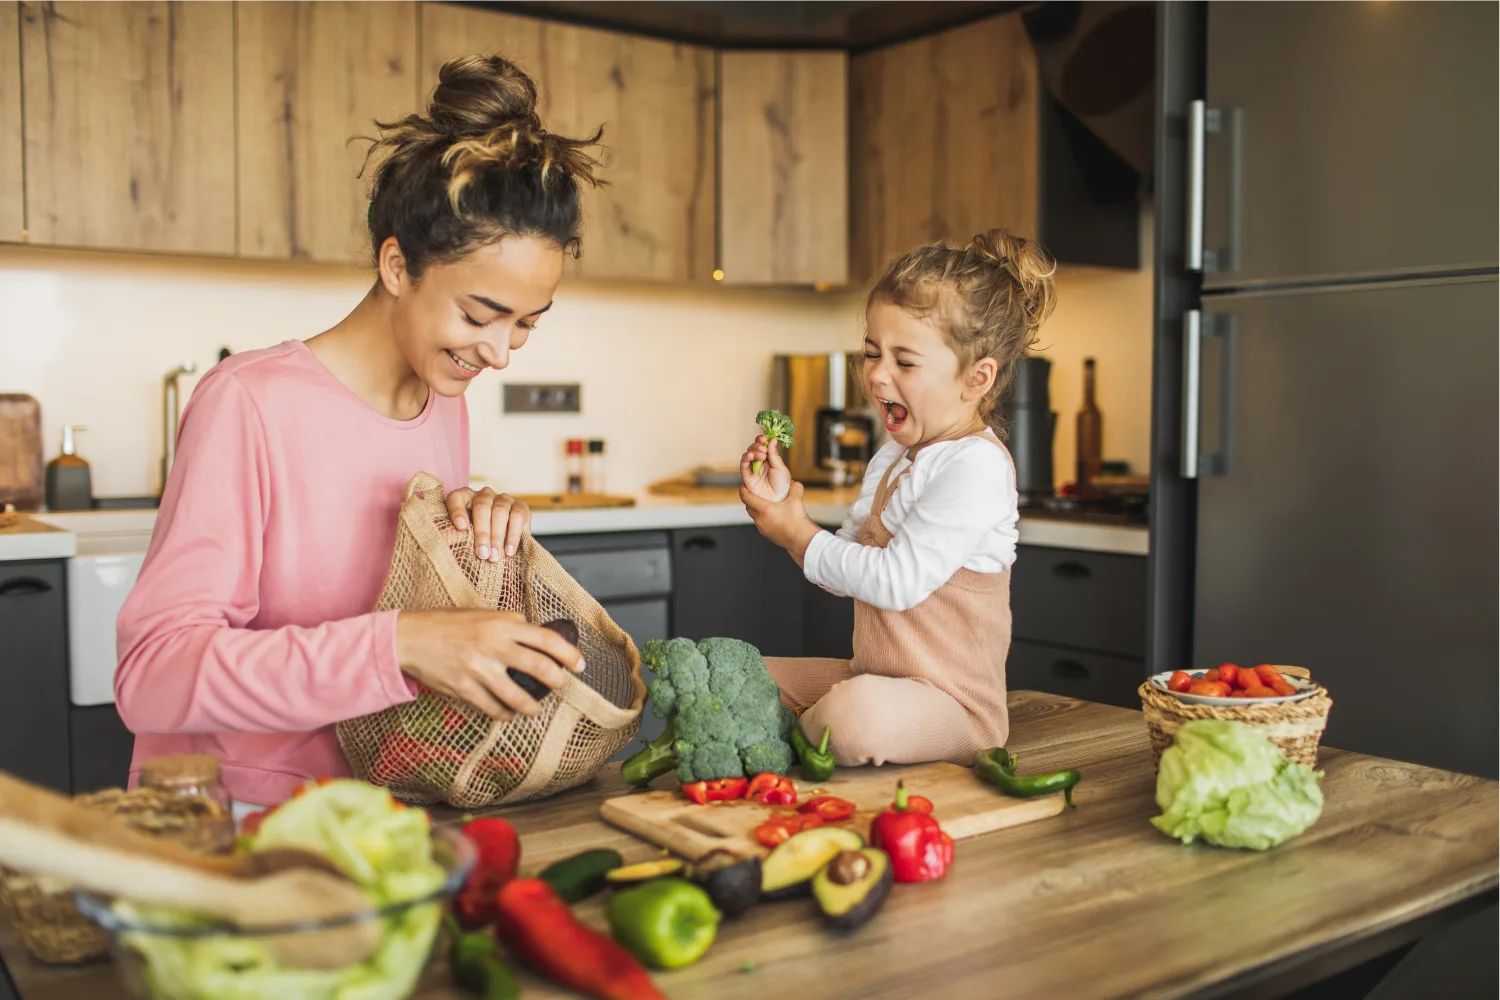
(1028, 265)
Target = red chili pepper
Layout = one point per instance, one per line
(773, 789)
(499, 852)
(539, 929)
(717, 790)
(920, 851)
(828, 807)
(780, 828)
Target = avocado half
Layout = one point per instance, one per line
(852, 887)
(644, 871)
(790, 867)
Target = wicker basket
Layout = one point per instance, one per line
(1294, 726)
(41, 908)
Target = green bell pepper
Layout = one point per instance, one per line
(818, 762)
(666, 923)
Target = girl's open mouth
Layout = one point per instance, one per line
(895, 416)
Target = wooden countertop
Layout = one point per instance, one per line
(1095, 903)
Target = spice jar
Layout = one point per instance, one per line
(191, 781)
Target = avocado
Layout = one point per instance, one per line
(645, 871)
(790, 868)
(733, 882)
(852, 887)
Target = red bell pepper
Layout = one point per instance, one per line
(499, 850)
(920, 851)
(828, 807)
(717, 790)
(773, 789)
(539, 929)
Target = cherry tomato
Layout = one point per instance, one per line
(1283, 687)
(1228, 672)
(1267, 673)
(830, 808)
(1260, 692)
(1179, 681)
(1211, 689)
(1239, 693)
(1211, 676)
(1246, 679)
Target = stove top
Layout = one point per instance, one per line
(1132, 509)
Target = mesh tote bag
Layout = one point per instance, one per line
(441, 749)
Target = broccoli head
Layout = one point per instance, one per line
(776, 426)
(725, 713)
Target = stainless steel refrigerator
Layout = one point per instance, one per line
(1326, 404)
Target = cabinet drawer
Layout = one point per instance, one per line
(34, 672)
(624, 573)
(1112, 680)
(1088, 600)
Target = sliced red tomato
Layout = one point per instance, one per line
(778, 829)
(772, 789)
(830, 807)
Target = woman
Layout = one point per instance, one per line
(249, 632)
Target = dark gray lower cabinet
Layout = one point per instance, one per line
(101, 748)
(34, 672)
(1112, 680)
(732, 582)
(1086, 600)
(827, 623)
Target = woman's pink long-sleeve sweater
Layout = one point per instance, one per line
(249, 633)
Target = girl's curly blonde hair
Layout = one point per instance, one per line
(989, 299)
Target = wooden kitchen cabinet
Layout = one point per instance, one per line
(783, 167)
(943, 140)
(656, 101)
(311, 76)
(12, 160)
(129, 125)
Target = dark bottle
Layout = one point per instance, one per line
(69, 484)
(1090, 436)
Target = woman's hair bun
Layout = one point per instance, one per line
(477, 95)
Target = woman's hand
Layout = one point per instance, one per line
(774, 480)
(785, 523)
(465, 653)
(499, 520)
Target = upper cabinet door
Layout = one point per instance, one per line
(943, 140)
(784, 167)
(12, 192)
(311, 77)
(656, 100)
(1354, 140)
(129, 124)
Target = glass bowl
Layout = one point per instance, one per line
(161, 958)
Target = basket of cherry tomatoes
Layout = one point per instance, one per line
(1285, 702)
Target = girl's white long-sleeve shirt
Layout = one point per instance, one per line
(955, 509)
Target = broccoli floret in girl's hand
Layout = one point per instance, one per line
(777, 426)
(725, 717)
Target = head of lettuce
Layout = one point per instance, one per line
(1228, 784)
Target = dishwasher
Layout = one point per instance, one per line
(630, 574)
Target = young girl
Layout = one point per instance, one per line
(249, 633)
(927, 548)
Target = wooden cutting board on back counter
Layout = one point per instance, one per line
(573, 501)
(20, 451)
(965, 806)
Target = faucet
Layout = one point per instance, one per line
(169, 415)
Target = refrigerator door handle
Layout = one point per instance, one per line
(1196, 138)
(1220, 327)
(1204, 121)
(1192, 389)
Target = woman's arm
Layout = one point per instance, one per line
(963, 501)
(187, 661)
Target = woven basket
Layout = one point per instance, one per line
(1294, 726)
(440, 749)
(41, 908)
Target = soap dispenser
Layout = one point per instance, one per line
(69, 483)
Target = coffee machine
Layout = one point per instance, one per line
(835, 431)
(1030, 425)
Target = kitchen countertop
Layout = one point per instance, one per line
(105, 529)
(1093, 903)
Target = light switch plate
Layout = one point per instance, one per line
(553, 397)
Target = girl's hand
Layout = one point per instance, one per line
(465, 653)
(774, 480)
(499, 520)
(785, 523)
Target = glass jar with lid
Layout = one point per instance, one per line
(193, 801)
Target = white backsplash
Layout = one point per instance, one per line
(672, 376)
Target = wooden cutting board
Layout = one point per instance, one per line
(963, 804)
(20, 451)
(573, 501)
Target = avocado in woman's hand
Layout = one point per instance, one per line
(853, 887)
(569, 631)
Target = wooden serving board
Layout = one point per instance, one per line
(964, 804)
(684, 488)
(573, 501)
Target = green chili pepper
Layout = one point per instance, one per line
(818, 762)
(477, 965)
(998, 767)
